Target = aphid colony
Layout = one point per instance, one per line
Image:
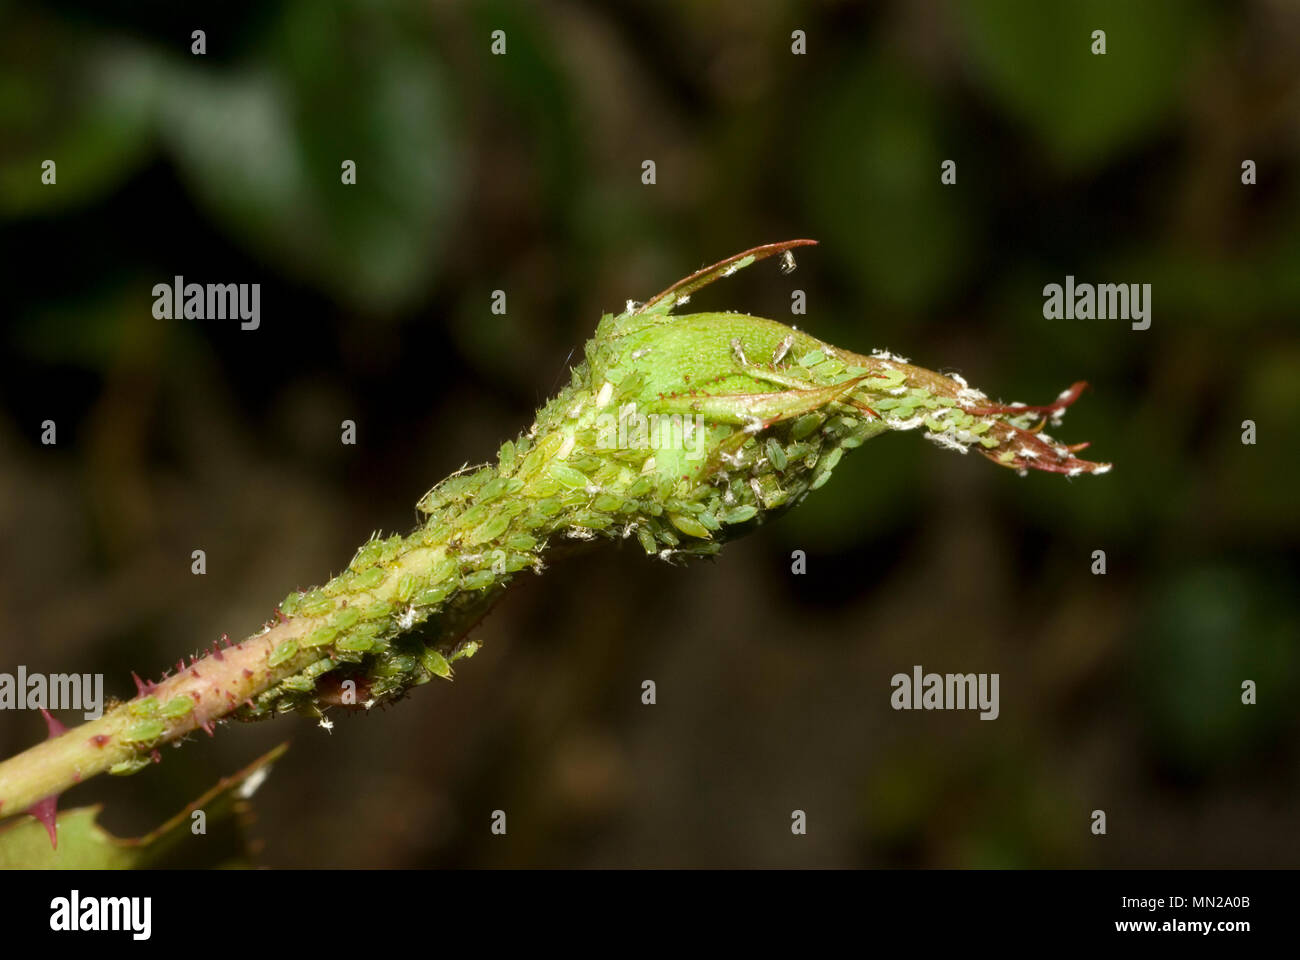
(779, 408)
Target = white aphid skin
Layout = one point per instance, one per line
(787, 262)
(1027, 453)
(326, 724)
(580, 533)
(631, 306)
(755, 425)
(896, 424)
(683, 300)
(1104, 468)
(407, 619)
(958, 379)
(945, 440)
(898, 391)
(638, 354)
(886, 355)
(606, 391)
(731, 269)
(738, 352)
(628, 530)
(1074, 471)
(566, 448)
(782, 349)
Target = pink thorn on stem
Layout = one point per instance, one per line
(46, 810)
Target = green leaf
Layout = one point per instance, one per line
(84, 844)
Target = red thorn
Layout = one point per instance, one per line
(47, 812)
(250, 703)
(217, 653)
(225, 638)
(207, 727)
(180, 665)
(280, 616)
(55, 728)
(99, 740)
(247, 672)
(195, 672)
(140, 689)
(155, 756)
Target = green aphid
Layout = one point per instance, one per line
(378, 610)
(740, 514)
(436, 663)
(545, 487)
(434, 594)
(689, 525)
(776, 453)
(289, 606)
(989, 443)
(320, 637)
(513, 562)
(708, 521)
(345, 618)
(369, 579)
(317, 607)
(144, 707)
(537, 458)
(393, 546)
(282, 653)
(395, 666)
(608, 503)
(499, 487)
(595, 521)
(489, 529)
(568, 477)
(810, 360)
(298, 683)
(177, 707)
(355, 643)
(406, 587)
(144, 731)
(477, 579)
(805, 426)
(647, 540)
(548, 507)
(506, 457)
(641, 486)
(521, 541)
(124, 768)
(368, 555)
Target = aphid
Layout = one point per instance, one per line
(144, 731)
(787, 262)
(283, 652)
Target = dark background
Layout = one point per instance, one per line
(523, 173)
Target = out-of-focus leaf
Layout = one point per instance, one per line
(77, 100)
(85, 845)
(873, 185)
(262, 146)
(1036, 58)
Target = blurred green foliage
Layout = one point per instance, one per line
(522, 173)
